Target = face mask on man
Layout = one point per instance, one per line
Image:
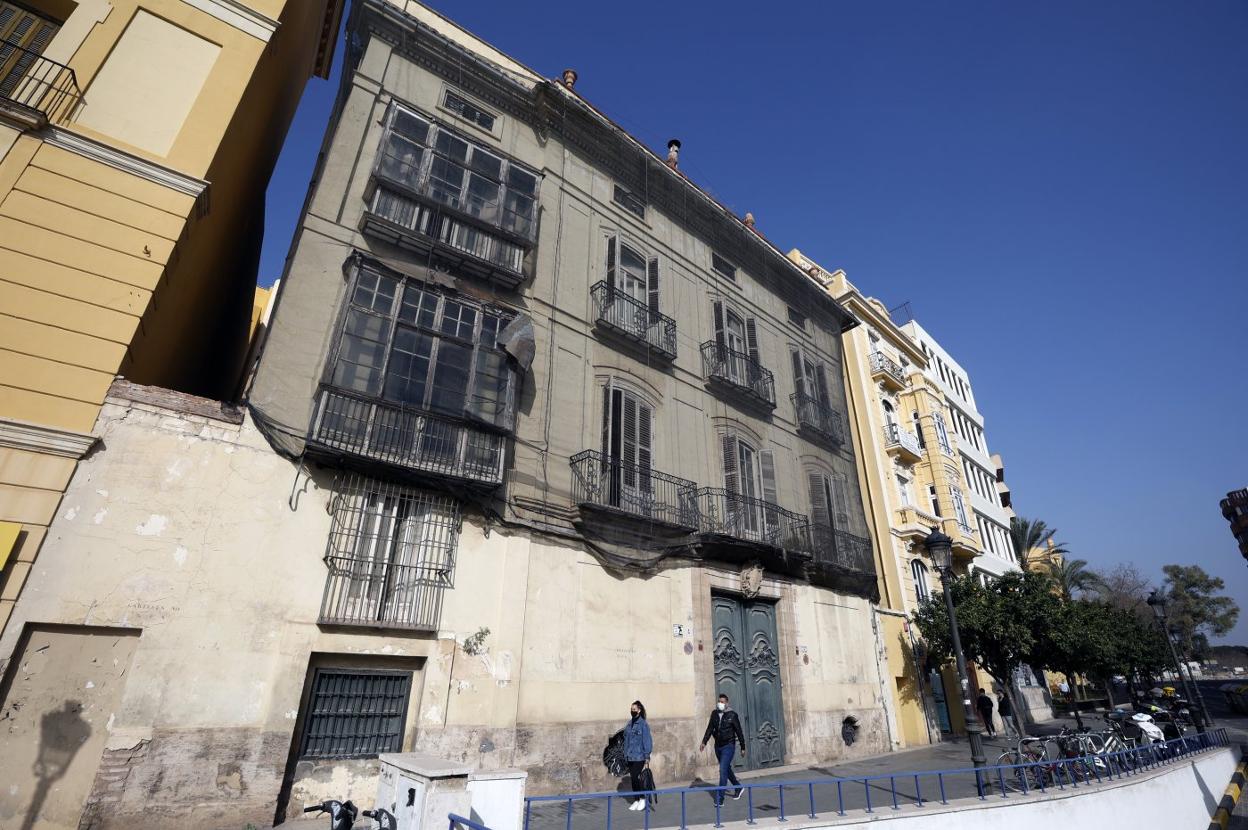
(721, 706)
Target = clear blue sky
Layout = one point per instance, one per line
(1059, 189)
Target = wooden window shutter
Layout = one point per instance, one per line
(606, 419)
(628, 444)
(652, 285)
(821, 384)
(645, 437)
(719, 324)
(732, 479)
(767, 468)
(799, 377)
(840, 500)
(820, 515)
(611, 241)
(751, 337)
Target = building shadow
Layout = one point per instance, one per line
(62, 732)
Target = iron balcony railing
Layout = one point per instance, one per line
(381, 594)
(411, 439)
(634, 319)
(842, 548)
(817, 416)
(725, 513)
(739, 371)
(601, 481)
(881, 362)
(37, 83)
(966, 529)
(896, 435)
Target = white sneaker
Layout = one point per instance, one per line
(637, 805)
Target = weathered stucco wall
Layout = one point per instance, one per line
(181, 527)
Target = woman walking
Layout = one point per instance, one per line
(637, 747)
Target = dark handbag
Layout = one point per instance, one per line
(613, 755)
(647, 783)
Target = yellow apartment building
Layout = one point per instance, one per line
(137, 138)
(911, 483)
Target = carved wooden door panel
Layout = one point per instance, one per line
(747, 669)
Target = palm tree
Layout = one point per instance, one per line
(1074, 575)
(1030, 534)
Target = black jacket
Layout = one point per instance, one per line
(725, 727)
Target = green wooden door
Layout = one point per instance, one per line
(747, 669)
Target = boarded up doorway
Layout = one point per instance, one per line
(56, 706)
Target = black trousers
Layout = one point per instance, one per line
(634, 774)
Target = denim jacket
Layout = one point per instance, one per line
(637, 741)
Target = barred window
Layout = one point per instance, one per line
(416, 346)
(391, 554)
(467, 110)
(355, 713)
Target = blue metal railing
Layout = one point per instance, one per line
(1001, 781)
(459, 823)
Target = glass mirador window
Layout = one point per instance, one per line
(457, 172)
(407, 343)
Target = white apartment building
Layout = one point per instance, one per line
(991, 512)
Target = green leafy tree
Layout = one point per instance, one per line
(997, 624)
(1030, 534)
(1196, 610)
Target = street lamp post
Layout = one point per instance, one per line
(1158, 603)
(940, 548)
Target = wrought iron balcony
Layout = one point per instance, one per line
(884, 366)
(602, 482)
(634, 319)
(738, 371)
(746, 519)
(818, 417)
(41, 90)
(842, 549)
(410, 223)
(380, 594)
(897, 437)
(371, 430)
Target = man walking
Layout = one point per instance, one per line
(1006, 712)
(984, 704)
(725, 727)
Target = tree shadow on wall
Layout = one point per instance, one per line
(62, 732)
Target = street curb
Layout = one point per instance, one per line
(1222, 816)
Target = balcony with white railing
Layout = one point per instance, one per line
(899, 440)
(887, 371)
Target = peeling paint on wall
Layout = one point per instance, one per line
(154, 526)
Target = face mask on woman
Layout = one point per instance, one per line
(636, 713)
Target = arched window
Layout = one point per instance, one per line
(889, 414)
(919, 571)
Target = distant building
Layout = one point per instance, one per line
(1235, 509)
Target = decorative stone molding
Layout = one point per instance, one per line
(238, 15)
(23, 435)
(123, 161)
(751, 579)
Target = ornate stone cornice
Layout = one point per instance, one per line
(121, 160)
(549, 109)
(48, 440)
(240, 16)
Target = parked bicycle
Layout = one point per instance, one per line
(342, 815)
(1028, 757)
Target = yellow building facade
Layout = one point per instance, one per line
(137, 138)
(911, 484)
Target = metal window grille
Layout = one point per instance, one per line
(468, 111)
(391, 555)
(355, 713)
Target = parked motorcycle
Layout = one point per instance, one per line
(342, 815)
